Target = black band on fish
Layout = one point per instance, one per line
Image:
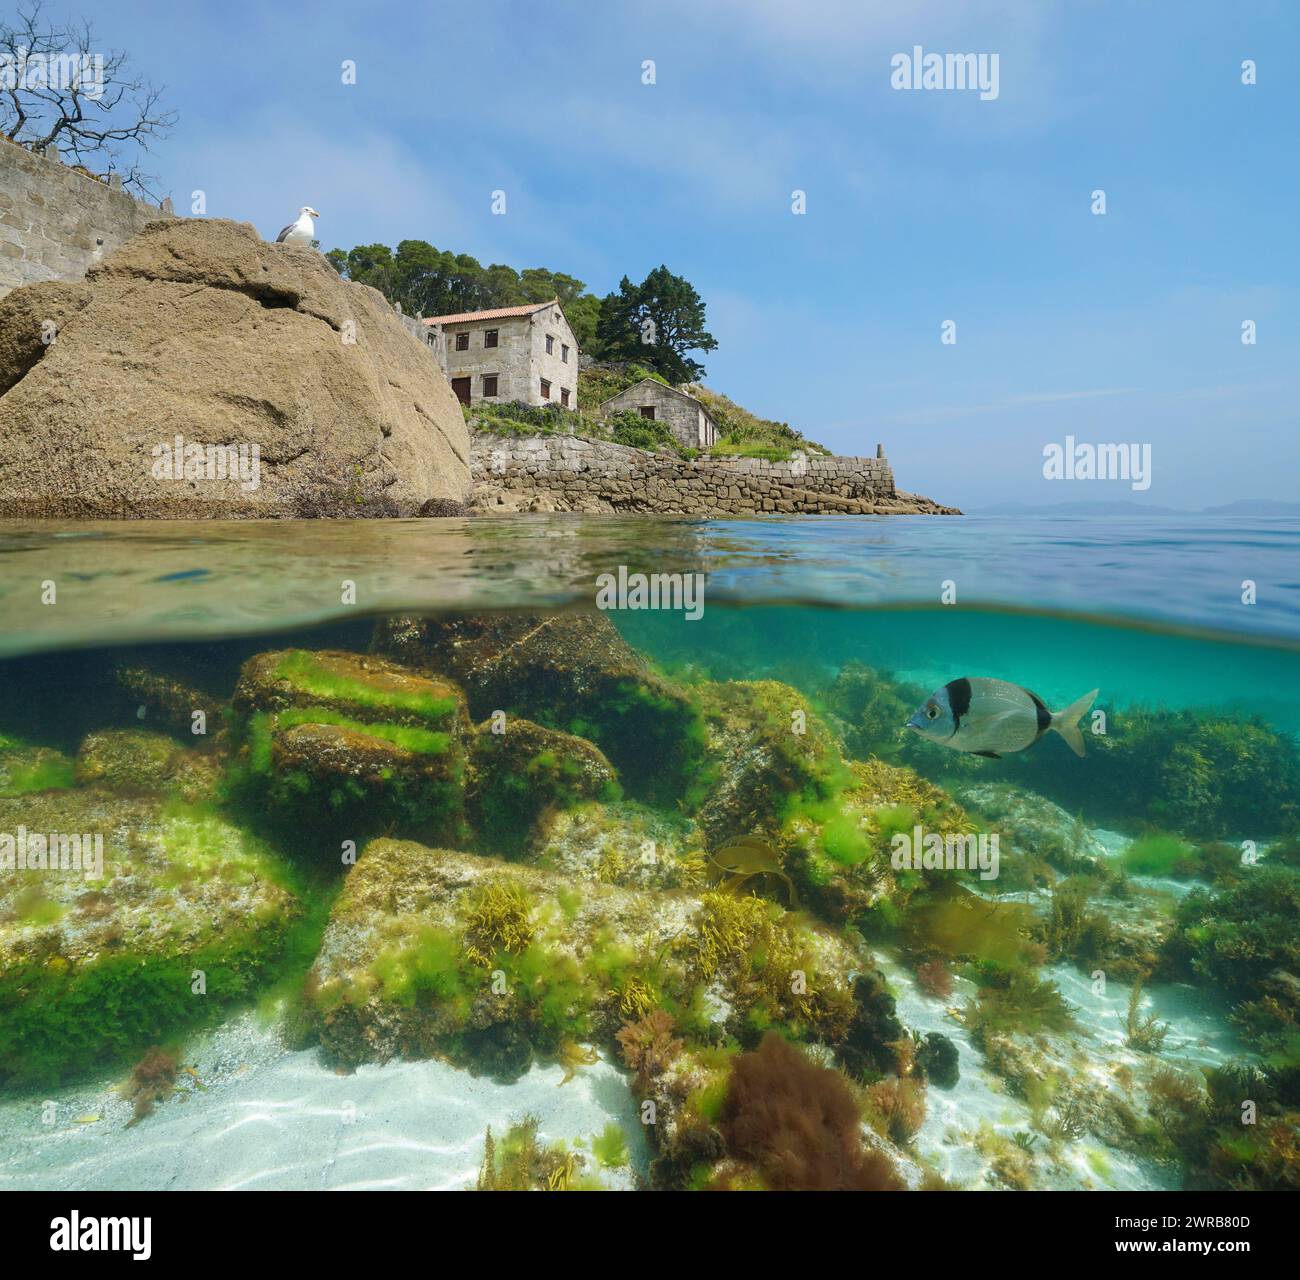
(958, 699)
(1044, 715)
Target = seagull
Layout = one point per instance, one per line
(301, 232)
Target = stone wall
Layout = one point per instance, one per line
(56, 222)
(569, 473)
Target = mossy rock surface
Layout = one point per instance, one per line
(838, 850)
(526, 771)
(569, 671)
(1032, 824)
(166, 699)
(623, 843)
(360, 687)
(767, 748)
(345, 744)
(26, 769)
(438, 952)
(141, 762)
(95, 969)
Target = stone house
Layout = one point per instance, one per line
(526, 354)
(690, 422)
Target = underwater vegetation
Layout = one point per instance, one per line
(688, 875)
(798, 1125)
(518, 1162)
(1246, 940)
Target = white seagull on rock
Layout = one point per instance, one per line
(301, 232)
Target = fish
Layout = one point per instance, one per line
(750, 856)
(991, 717)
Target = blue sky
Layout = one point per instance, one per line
(921, 206)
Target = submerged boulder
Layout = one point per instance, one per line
(570, 671)
(622, 843)
(349, 743)
(527, 770)
(429, 951)
(767, 749)
(130, 922)
(198, 326)
(141, 762)
(25, 768)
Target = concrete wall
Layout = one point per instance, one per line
(686, 417)
(55, 222)
(568, 473)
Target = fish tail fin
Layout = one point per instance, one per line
(1066, 722)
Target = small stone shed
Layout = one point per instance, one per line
(690, 422)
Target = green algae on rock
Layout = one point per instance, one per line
(25, 769)
(768, 750)
(348, 741)
(436, 952)
(141, 762)
(188, 915)
(525, 770)
(623, 843)
(570, 671)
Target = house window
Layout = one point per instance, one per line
(490, 384)
(462, 342)
(489, 337)
(546, 390)
(564, 352)
(564, 396)
(550, 345)
(647, 411)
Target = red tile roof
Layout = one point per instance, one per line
(497, 313)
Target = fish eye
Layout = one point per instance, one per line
(932, 712)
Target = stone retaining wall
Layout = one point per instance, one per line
(569, 473)
(56, 222)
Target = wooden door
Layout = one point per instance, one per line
(461, 387)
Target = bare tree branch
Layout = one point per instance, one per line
(59, 89)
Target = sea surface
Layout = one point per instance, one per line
(1188, 626)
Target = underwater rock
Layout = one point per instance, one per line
(167, 700)
(426, 948)
(839, 850)
(527, 770)
(868, 1047)
(571, 671)
(1034, 824)
(140, 762)
(937, 1057)
(348, 742)
(199, 322)
(25, 769)
(186, 914)
(767, 746)
(622, 843)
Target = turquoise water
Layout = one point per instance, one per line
(539, 794)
